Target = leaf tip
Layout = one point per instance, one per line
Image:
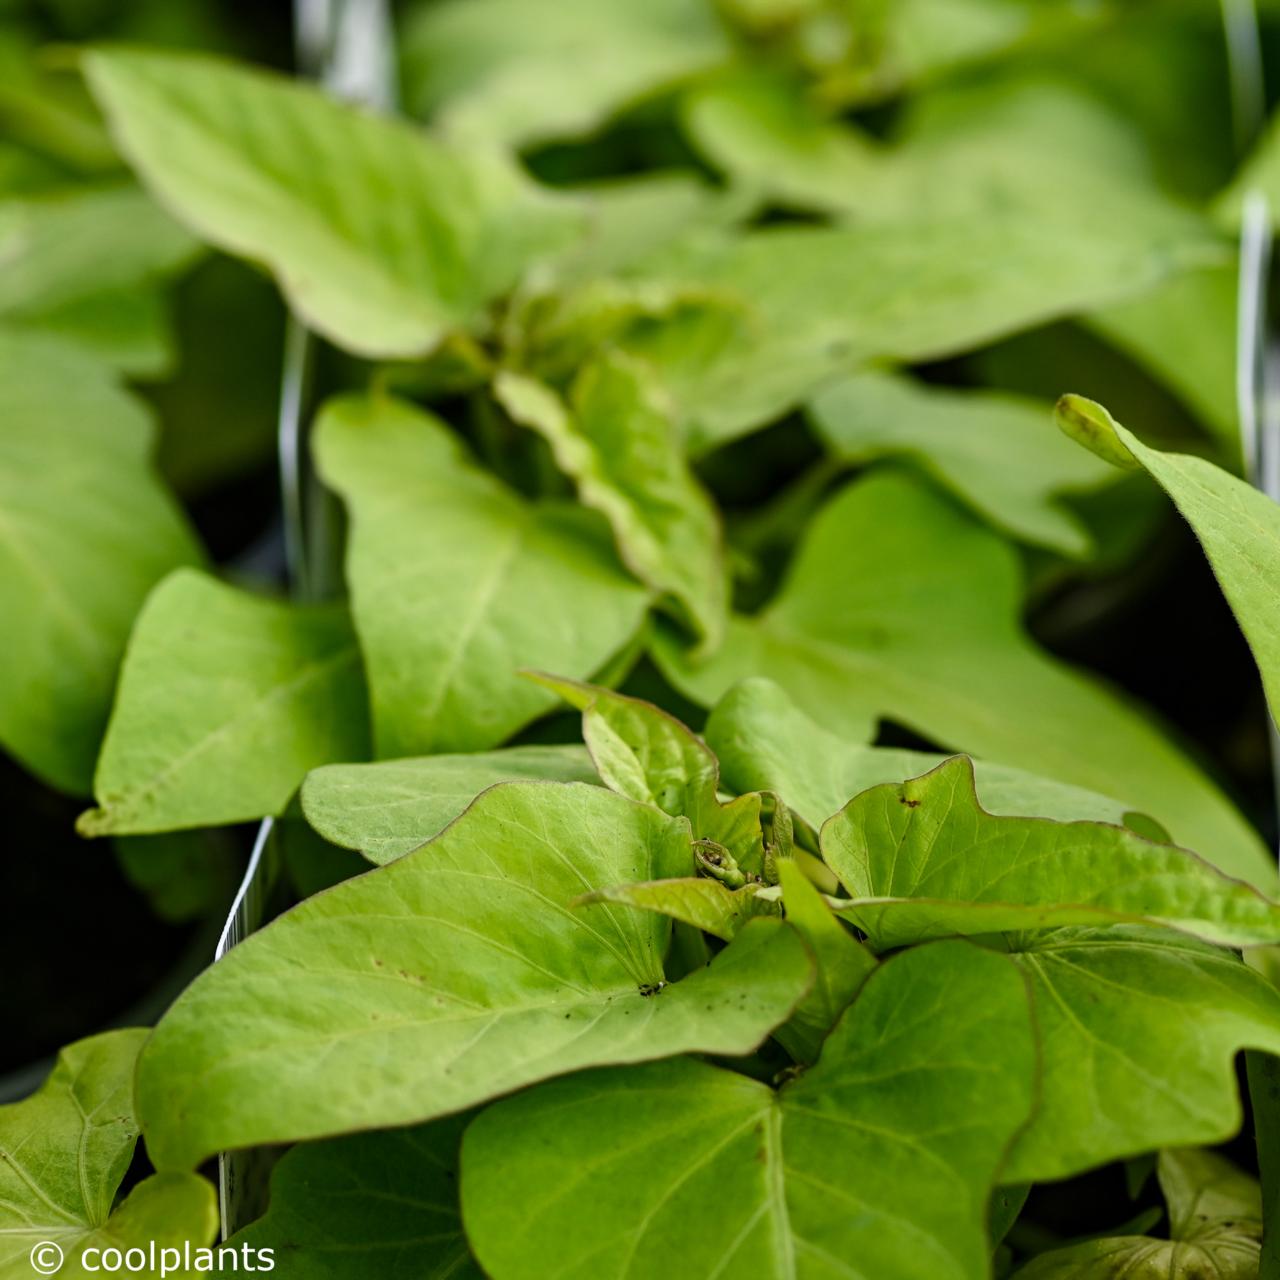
(1089, 424)
(93, 823)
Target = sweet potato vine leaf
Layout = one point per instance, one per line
(1139, 1029)
(765, 742)
(974, 147)
(762, 129)
(815, 302)
(1215, 1229)
(1238, 525)
(368, 1204)
(225, 702)
(85, 265)
(64, 1152)
(383, 238)
(615, 437)
(388, 808)
(876, 1162)
(988, 448)
(86, 530)
(528, 71)
(922, 859)
(457, 582)
(456, 974)
(899, 605)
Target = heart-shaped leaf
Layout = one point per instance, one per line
(1139, 1030)
(922, 859)
(66, 1151)
(225, 702)
(876, 1162)
(458, 973)
(383, 238)
(457, 582)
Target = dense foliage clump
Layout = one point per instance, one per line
(697, 702)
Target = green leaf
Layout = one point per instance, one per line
(458, 973)
(1139, 1030)
(74, 247)
(458, 582)
(225, 702)
(815, 302)
(383, 239)
(843, 964)
(1215, 1226)
(616, 439)
(1238, 525)
(528, 71)
(647, 755)
(698, 902)
(66, 1150)
(629, 218)
(1004, 143)
(387, 809)
(765, 132)
(896, 44)
(381, 1204)
(765, 742)
(988, 448)
(981, 146)
(899, 605)
(86, 530)
(126, 329)
(922, 859)
(873, 1163)
(46, 113)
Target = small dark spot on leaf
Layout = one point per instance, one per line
(911, 804)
